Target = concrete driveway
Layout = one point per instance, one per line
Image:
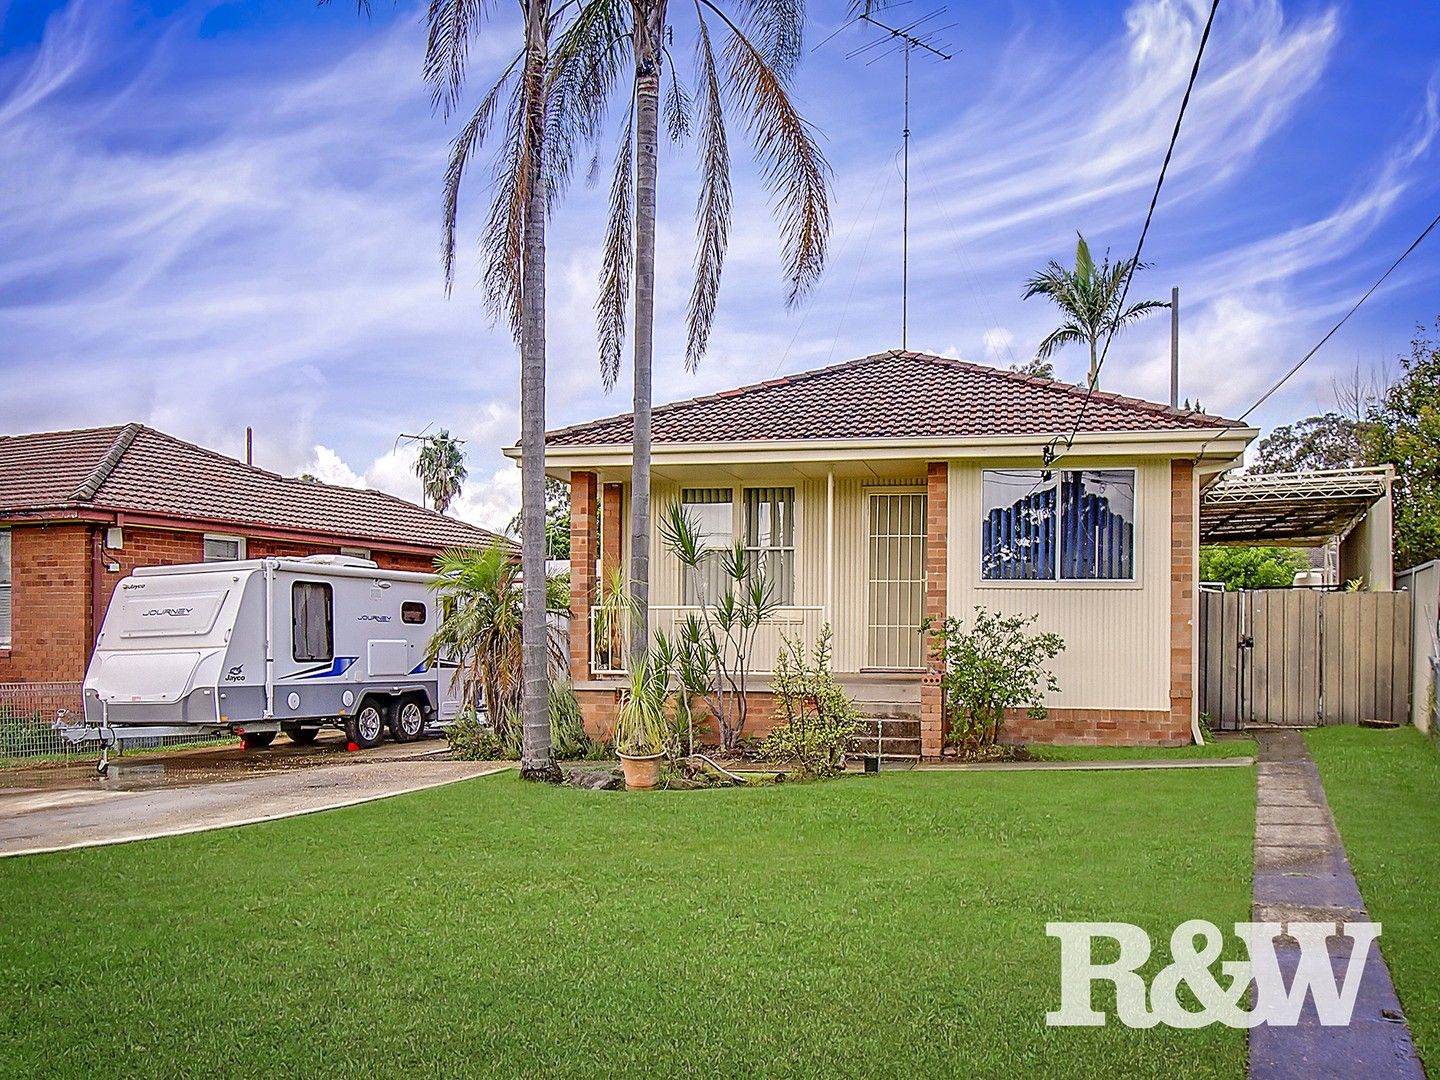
(55, 807)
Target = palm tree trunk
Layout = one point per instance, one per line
(1094, 365)
(649, 24)
(537, 761)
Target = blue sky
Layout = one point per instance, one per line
(218, 214)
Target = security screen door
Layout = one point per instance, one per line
(895, 590)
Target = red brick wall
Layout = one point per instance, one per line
(52, 626)
(598, 707)
(50, 599)
(583, 541)
(1183, 569)
(1098, 727)
(937, 540)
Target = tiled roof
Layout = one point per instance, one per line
(892, 395)
(140, 470)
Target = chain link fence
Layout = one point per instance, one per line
(29, 713)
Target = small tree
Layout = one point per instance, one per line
(722, 637)
(816, 720)
(993, 666)
(1251, 567)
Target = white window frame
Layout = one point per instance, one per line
(756, 551)
(238, 541)
(1131, 582)
(356, 552)
(738, 530)
(7, 628)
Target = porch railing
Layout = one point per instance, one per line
(608, 644)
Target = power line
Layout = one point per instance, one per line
(1050, 455)
(1334, 329)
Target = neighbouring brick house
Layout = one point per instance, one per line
(902, 486)
(81, 509)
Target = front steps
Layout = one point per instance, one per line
(889, 705)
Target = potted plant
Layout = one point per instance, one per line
(641, 728)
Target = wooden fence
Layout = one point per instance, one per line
(1294, 656)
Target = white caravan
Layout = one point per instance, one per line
(264, 646)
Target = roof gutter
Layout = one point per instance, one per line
(1212, 444)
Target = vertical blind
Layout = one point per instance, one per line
(311, 608)
(1077, 524)
(770, 538)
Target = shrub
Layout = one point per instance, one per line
(472, 740)
(993, 666)
(817, 720)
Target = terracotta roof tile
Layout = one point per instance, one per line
(892, 395)
(141, 470)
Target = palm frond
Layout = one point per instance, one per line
(617, 259)
(504, 238)
(778, 29)
(450, 24)
(794, 168)
(472, 136)
(712, 208)
(584, 67)
(1135, 311)
(679, 109)
(1068, 334)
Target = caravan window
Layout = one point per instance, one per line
(412, 611)
(312, 610)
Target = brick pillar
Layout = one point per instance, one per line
(611, 529)
(937, 535)
(1183, 568)
(583, 542)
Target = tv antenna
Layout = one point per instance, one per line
(922, 34)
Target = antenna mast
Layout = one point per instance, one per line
(904, 40)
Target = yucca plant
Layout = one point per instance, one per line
(641, 728)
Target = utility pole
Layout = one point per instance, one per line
(1175, 347)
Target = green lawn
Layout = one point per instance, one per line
(1384, 788)
(1221, 748)
(867, 926)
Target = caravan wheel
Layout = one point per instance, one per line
(301, 736)
(367, 726)
(257, 740)
(409, 721)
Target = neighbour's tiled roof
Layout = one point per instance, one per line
(140, 470)
(892, 395)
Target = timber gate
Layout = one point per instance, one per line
(1302, 657)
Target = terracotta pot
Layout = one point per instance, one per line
(641, 773)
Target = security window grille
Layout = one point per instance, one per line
(713, 511)
(5, 588)
(770, 538)
(1071, 524)
(312, 613)
(224, 548)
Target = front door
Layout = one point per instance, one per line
(895, 587)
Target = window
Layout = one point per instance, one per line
(412, 611)
(5, 588)
(768, 531)
(713, 511)
(770, 538)
(312, 615)
(223, 548)
(355, 553)
(1071, 524)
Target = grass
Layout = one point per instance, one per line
(1222, 748)
(1384, 789)
(866, 926)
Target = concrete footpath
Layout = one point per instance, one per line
(1302, 875)
(42, 819)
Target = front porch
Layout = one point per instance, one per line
(849, 545)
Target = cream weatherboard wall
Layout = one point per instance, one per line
(1117, 653)
(830, 581)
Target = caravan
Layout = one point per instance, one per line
(266, 646)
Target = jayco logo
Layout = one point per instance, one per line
(1274, 1004)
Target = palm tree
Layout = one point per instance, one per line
(482, 629)
(525, 186)
(1090, 297)
(441, 469)
(760, 46)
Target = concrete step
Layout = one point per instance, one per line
(891, 727)
(888, 748)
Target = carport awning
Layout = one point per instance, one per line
(1289, 508)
